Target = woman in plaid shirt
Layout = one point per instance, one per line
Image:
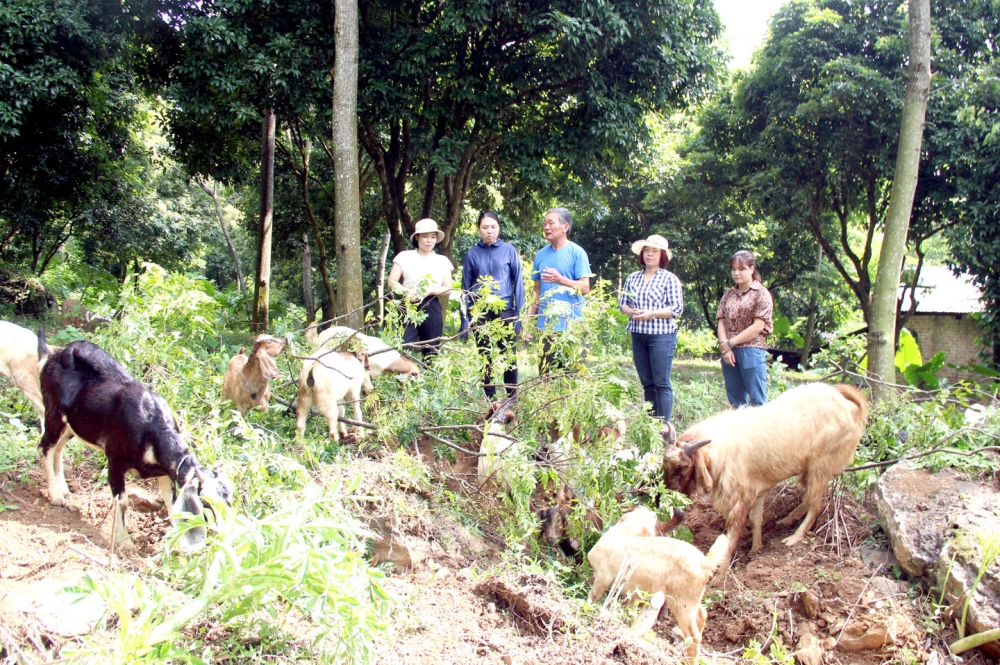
(652, 299)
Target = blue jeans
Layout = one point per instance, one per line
(747, 382)
(654, 356)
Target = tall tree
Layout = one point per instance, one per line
(882, 324)
(528, 88)
(262, 289)
(350, 292)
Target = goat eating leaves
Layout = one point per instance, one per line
(89, 395)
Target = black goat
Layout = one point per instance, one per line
(89, 395)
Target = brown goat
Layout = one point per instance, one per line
(247, 379)
(811, 431)
(671, 569)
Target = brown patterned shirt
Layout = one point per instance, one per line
(739, 311)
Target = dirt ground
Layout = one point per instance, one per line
(837, 586)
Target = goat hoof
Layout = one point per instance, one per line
(792, 540)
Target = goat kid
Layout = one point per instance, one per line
(89, 395)
(328, 379)
(670, 569)
(247, 382)
(382, 358)
(19, 362)
(499, 417)
(810, 431)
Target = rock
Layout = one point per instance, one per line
(808, 651)
(807, 604)
(915, 508)
(884, 586)
(937, 524)
(647, 619)
(63, 614)
(877, 633)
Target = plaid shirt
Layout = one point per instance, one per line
(663, 291)
(739, 311)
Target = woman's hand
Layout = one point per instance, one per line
(729, 358)
(642, 314)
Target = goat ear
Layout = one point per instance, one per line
(702, 478)
(189, 501)
(268, 368)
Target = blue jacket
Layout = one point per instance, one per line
(499, 261)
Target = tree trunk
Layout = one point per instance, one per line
(347, 206)
(305, 150)
(383, 255)
(308, 297)
(813, 311)
(882, 326)
(262, 288)
(237, 264)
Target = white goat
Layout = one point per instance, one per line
(382, 358)
(328, 379)
(19, 361)
(811, 431)
(656, 565)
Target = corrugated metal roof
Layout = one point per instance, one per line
(941, 292)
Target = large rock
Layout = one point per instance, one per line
(938, 524)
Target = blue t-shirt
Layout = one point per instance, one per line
(558, 303)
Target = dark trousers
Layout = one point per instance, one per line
(430, 329)
(654, 357)
(505, 344)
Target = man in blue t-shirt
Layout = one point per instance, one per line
(561, 273)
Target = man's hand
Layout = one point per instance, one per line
(552, 276)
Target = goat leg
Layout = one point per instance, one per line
(116, 479)
(756, 518)
(815, 490)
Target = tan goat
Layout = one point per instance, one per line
(247, 379)
(656, 565)
(19, 361)
(811, 431)
(382, 358)
(329, 379)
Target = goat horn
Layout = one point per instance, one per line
(695, 445)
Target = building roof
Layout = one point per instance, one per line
(940, 291)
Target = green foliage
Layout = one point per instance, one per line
(696, 343)
(306, 559)
(918, 421)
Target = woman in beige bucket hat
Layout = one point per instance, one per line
(423, 275)
(653, 299)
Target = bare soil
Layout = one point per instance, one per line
(836, 585)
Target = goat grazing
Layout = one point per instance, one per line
(89, 395)
(555, 523)
(657, 565)
(382, 358)
(247, 382)
(811, 431)
(19, 361)
(495, 438)
(328, 379)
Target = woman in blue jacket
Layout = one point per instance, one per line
(494, 262)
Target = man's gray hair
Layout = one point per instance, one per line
(564, 216)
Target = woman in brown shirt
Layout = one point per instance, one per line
(745, 319)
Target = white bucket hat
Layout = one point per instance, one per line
(659, 242)
(427, 225)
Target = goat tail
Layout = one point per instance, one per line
(852, 394)
(43, 348)
(717, 555)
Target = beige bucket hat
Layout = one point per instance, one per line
(427, 225)
(659, 242)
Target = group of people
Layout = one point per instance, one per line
(652, 298)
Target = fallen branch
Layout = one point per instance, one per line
(973, 641)
(936, 449)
